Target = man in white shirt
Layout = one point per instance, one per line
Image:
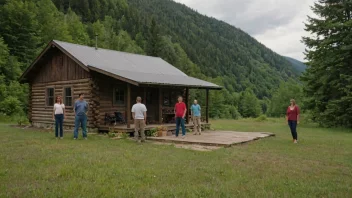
(139, 114)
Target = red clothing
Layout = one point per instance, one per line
(292, 114)
(180, 109)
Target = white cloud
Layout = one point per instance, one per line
(278, 24)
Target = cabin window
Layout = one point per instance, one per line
(49, 96)
(119, 96)
(68, 96)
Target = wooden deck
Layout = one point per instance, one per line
(123, 128)
(215, 138)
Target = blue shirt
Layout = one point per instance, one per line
(195, 108)
(81, 107)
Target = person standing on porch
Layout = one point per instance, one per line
(80, 109)
(195, 112)
(139, 114)
(180, 113)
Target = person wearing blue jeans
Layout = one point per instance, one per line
(180, 113)
(58, 116)
(180, 121)
(81, 109)
(292, 118)
(293, 127)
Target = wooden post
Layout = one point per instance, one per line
(187, 105)
(207, 106)
(128, 107)
(145, 96)
(145, 101)
(160, 106)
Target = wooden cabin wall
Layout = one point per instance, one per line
(57, 70)
(106, 87)
(58, 67)
(41, 114)
(105, 91)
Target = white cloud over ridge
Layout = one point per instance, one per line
(278, 24)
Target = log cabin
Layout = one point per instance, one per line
(111, 81)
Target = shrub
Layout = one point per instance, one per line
(11, 106)
(152, 132)
(261, 118)
(21, 120)
(123, 135)
(112, 134)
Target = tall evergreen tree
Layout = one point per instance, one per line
(329, 76)
(154, 40)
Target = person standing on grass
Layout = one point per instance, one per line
(80, 109)
(139, 114)
(292, 118)
(59, 116)
(180, 113)
(195, 112)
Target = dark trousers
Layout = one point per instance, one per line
(59, 119)
(180, 121)
(80, 120)
(293, 125)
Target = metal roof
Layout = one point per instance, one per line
(138, 68)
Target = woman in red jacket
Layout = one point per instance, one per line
(292, 118)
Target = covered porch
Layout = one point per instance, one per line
(159, 100)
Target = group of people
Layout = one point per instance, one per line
(80, 109)
(139, 114)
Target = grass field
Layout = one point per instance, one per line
(34, 164)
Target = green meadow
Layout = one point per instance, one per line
(34, 164)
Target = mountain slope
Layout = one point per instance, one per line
(218, 48)
(298, 65)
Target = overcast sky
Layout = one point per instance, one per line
(278, 24)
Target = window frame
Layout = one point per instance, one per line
(47, 96)
(64, 96)
(114, 95)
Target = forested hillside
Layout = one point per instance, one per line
(218, 48)
(200, 46)
(298, 65)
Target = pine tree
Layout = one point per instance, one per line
(249, 104)
(329, 76)
(154, 40)
(52, 24)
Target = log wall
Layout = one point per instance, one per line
(105, 90)
(41, 114)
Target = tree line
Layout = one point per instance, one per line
(27, 26)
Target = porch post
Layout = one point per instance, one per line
(160, 106)
(207, 106)
(187, 105)
(128, 107)
(145, 96)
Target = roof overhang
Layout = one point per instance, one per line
(179, 85)
(136, 83)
